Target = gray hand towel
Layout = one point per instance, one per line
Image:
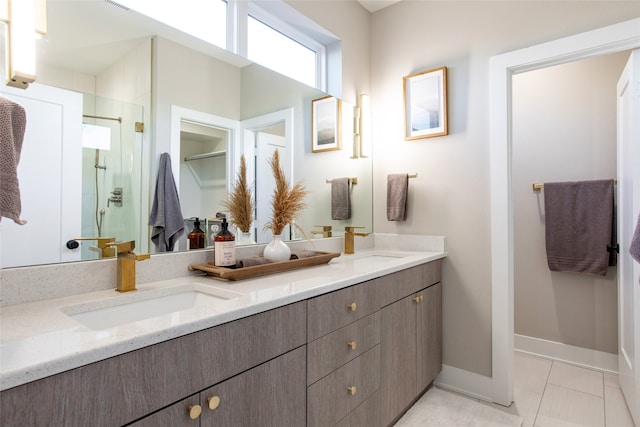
(13, 123)
(340, 199)
(634, 248)
(578, 223)
(251, 261)
(397, 189)
(166, 215)
(303, 253)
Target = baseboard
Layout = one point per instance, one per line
(465, 382)
(587, 358)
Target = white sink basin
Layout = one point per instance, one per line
(142, 305)
(378, 257)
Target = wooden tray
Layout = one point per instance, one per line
(261, 270)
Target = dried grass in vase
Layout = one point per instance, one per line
(287, 203)
(240, 203)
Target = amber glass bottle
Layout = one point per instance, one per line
(196, 237)
(224, 247)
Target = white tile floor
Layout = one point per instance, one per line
(554, 394)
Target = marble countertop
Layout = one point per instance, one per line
(40, 339)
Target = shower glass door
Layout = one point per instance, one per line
(111, 172)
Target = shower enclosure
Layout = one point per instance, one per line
(111, 172)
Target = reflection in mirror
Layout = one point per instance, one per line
(96, 60)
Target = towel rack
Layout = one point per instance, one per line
(352, 181)
(413, 175)
(537, 186)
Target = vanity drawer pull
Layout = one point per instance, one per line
(352, 306)
(352, 345)
(352, 390)
(194, 411)
(213, 402)
(419, 298)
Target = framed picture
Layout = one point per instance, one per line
(425, 104)
(326, 124)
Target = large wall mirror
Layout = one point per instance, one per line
(115, 89)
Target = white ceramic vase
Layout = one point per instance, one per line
(277, 250)
(245, 239)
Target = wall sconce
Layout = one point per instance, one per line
(25, 20)
(361, 128)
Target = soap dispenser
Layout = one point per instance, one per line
(224, 246)
(196, 237)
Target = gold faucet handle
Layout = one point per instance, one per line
(124, 247)
(324, 227)
(103, 245)
(350, 228)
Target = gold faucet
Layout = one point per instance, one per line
(126, 281)
(326, 230)
(348, 239)
(103, 248)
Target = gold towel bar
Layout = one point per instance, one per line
(538, 186)
(352, 181)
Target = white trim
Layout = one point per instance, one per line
(465, 382)
(579, 356)
(611, 39)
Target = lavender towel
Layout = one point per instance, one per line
(634, 249)
(340, 199)
(397, 189)
(578, 222)
(166, 215)
(13, 123)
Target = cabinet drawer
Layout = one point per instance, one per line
(367, 414)
(336, 395)
(333, 350)
(332, 311)
(398, 285)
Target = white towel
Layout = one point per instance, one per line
(166, 215)
(13, 123)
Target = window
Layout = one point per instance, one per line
(204, 19)
(277, 51)
(272, 34)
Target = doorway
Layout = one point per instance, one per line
(615, 38)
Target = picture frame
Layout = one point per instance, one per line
(425, 104)
(326, 124)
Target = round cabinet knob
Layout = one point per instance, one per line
(194, 411)
(352, 345)
(352, 390)
(352, 306)
(214, 402)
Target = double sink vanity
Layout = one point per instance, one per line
(352, 342)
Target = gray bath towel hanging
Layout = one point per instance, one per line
(340, 199)
(397, 190)
(13, 123)
(578, 225)
(166, 214)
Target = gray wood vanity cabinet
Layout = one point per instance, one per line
(411, 350)
(127, 387)
(371, 350)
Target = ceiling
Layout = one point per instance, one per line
(375, 5)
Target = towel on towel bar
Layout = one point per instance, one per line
(340, 199)
(13, 123)
(397, 189)
(634, 248)
(166, 214)
(578, 223)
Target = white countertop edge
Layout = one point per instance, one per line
(12, 376)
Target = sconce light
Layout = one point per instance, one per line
(362, 127)
(25, 20)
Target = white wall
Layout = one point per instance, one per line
(564, 129)
(451, 194)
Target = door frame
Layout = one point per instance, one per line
(602, 41)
